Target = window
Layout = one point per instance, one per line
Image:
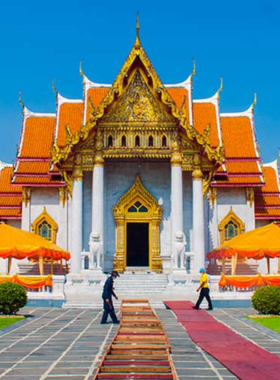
(151, 141)
(45, 226)
(230, 226)
(137, 141)
(137, 207)
(110, 141)
(123, 141)
(164, 142)
(231, 230)
(45, 230)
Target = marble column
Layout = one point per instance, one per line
(176, 197)
(198, 215)
(77, 220)
(97, 224)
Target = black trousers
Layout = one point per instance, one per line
(204, 293)
(108, 309)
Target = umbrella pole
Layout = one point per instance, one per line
(268, 265)
(223, 265)
(41, 265)
(235, 264)
(52, 266)
(9, 264)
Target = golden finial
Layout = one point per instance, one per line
(194, 67)
(254, 101)
(53, 87)
(20, 99)
(137, 40)
(137, 25)
(220, 88)
(81, 68)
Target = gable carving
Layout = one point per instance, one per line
(137, 104)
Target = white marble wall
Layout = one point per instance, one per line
(227, 198)
(49, 198)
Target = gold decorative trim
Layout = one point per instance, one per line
(230, 217)
(139, 59)
(45, 217)
(26, 195)
(197, 174)
(250, 196)
(212, 195)
(63, 196)
(152, 216)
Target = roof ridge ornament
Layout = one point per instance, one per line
(53, 87)
(137, 43)
(254, 102)
(20, 99)
(194, 68)
(220, 88)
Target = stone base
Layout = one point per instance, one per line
(84, 285)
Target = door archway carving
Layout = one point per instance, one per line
(137, 205)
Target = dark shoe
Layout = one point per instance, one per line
(210, 308)
(116, 322)
(103, 323)
(196, 308)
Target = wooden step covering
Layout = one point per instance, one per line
(140, 348)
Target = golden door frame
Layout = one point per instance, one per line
(153, 215)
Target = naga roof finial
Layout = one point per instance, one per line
(20, 99)
(137, 41)
(220, 88)
(81, 68)
(194, 67)
(254, 101)
(53, 87)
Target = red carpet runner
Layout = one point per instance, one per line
(244, 359)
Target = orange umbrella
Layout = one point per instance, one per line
(256, 244)
(19, 244)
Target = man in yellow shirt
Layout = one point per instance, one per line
(204, 290)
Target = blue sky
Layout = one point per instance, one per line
(236, 40)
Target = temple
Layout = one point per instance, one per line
(139, 174)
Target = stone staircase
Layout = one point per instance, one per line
(141, 283)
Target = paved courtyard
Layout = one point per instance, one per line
(62, 344)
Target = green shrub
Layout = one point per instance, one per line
(266, 300)
(12, 298)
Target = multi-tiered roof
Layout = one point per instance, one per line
(235, 132)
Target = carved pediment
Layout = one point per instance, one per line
(137, 104)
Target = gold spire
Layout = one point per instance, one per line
(81, 68)
(220, 88)
(194, 67)
(254, 101)
(137, 40)
(20, 99)
(53, 87)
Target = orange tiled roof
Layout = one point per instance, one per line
(240, 181)
(267, 200)
(204, 114)
(5, 182)
(10, 200)
(6, 213)
(9, 195)
(240, 167)
(96, 94)
(38, 137)
(34, 167)
(270, 179)
(271, 212)
(237, 137)
(265, 203)
(70, 114)
(178, 94)
(38, 180)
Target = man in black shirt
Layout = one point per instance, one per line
(108, 292)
